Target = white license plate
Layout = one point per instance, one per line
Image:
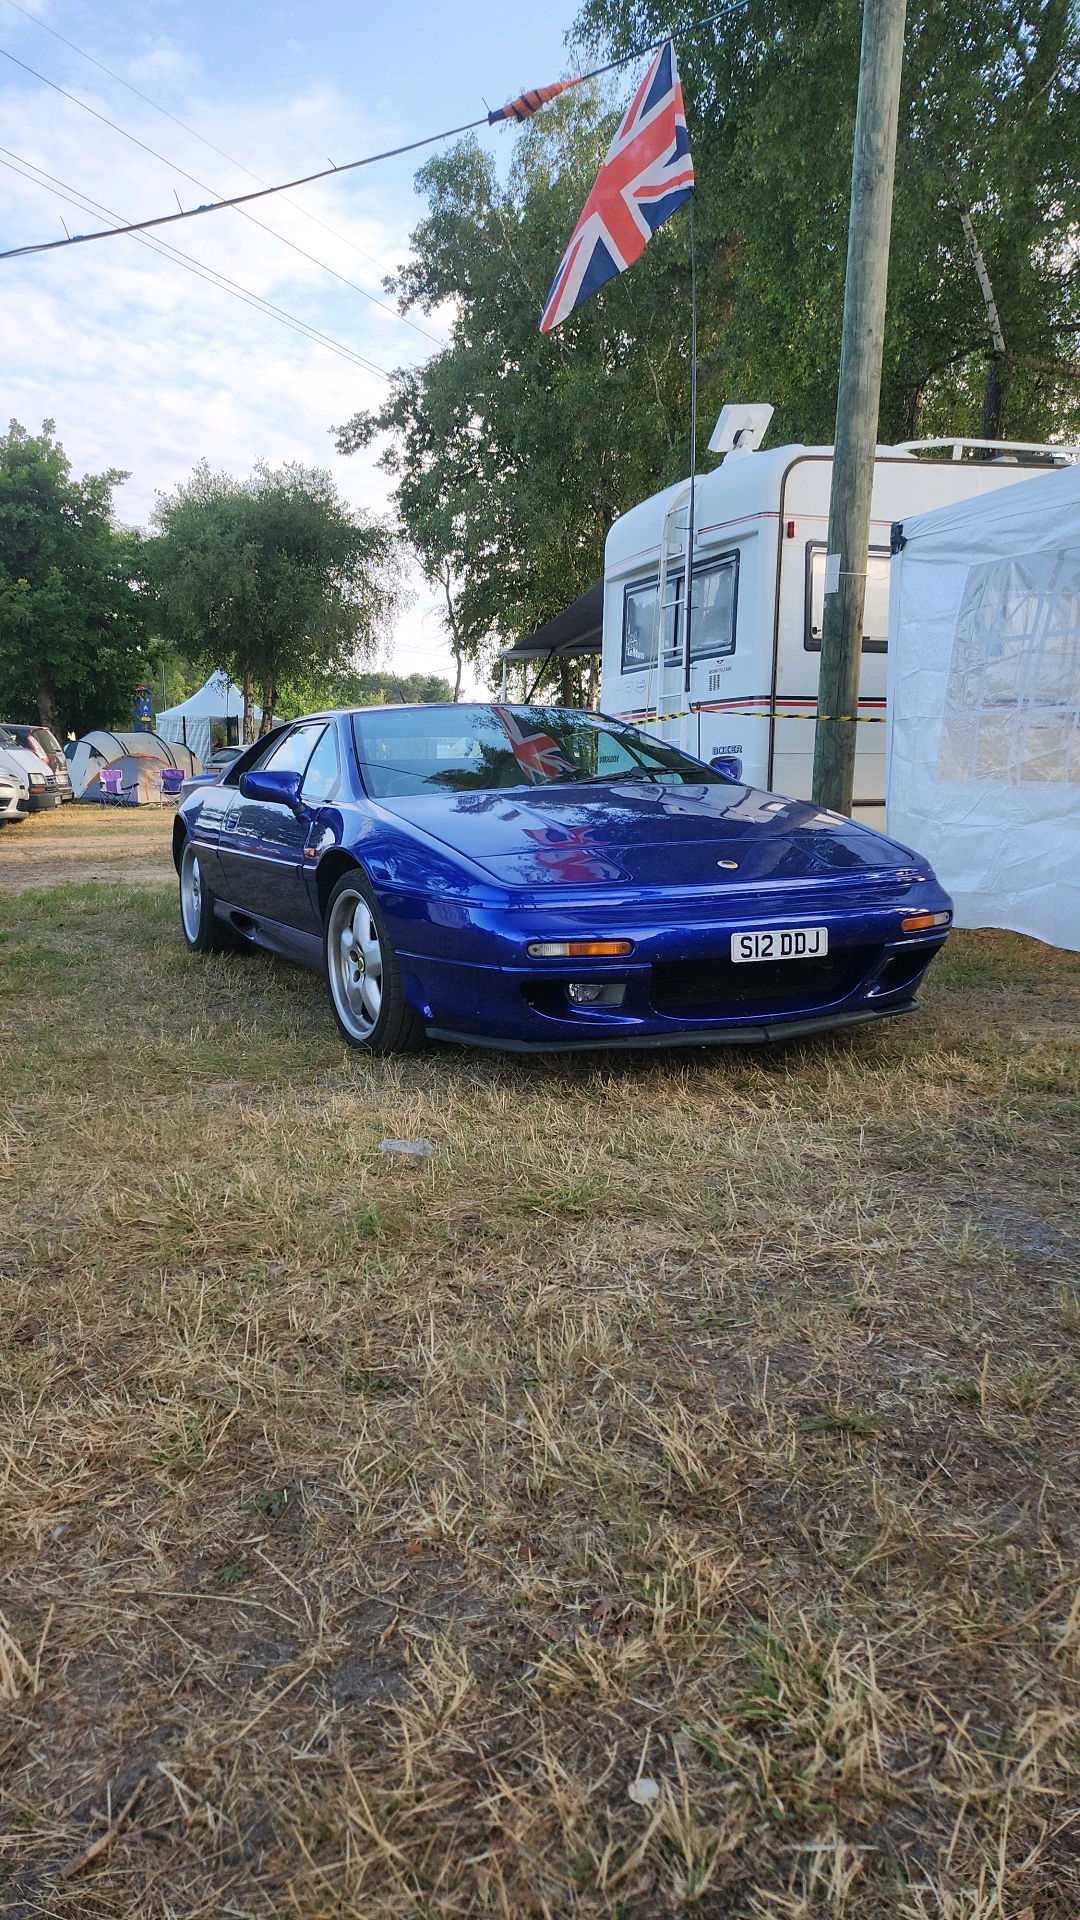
(781, 943)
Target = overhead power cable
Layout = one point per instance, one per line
(75, 198)
(193, 131)
(520, 109)
(205, 188)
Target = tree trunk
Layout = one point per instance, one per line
(594, 682)
(269, 695)
(457, 643)
(249, 704)
(993, 412)
(566, 682)
(47, 702)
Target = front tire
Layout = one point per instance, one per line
(363, 975)
(203, 931)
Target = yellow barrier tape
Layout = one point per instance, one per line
(760, 713)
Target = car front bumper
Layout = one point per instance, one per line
(678, 984)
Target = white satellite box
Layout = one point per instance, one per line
(741, 429)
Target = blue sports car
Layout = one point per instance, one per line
(541, 878)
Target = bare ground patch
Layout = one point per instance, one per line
(706, 1422)
(81, 842)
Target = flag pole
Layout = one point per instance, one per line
(688, 578)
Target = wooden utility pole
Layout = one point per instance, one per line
(858, 399)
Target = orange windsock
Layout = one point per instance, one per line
(529, 103)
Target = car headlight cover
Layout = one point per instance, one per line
(578, 949)
(919, 922)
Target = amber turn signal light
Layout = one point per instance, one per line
(918, 922)
(577, 949)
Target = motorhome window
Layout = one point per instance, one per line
(712, 622)
(639, 624)
(875, 612)
(712, 625)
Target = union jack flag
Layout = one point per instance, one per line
(537, 754)
(647, 174)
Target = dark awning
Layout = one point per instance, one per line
(580, 629)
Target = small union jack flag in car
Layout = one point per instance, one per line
(648, 173)
(537, 754)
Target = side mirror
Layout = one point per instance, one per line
(268, 784)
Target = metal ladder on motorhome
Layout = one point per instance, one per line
(667, 594)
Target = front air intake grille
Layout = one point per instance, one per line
(904, 969)
(711, 986)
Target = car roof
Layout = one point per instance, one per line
(419, 706)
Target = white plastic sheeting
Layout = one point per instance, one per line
(984, 705)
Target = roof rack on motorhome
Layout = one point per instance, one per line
(1043, 455)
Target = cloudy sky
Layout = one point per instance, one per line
(142, 363)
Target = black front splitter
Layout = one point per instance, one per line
(711, 1037)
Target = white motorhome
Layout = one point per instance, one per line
(748, 697)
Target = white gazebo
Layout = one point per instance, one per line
(215, 704)
(984, 704)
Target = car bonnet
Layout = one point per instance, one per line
(26, 762)
(645, 834)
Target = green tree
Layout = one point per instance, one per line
(989, 122)
(511, 453)
(395, 689)
(353, 689)
(74, 636)
(275, 578)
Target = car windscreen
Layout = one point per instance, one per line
(403, 750)
(7, 739)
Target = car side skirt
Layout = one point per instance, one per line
(289, 942)
(776, 1030)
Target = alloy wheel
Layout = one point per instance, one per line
(355, 964)
(191, 893)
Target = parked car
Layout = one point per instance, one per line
(219, 762)
(43, 742)
(539, 878)
(42, 783)
(14, 792)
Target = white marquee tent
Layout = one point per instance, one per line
(191, 722)
(984, 704)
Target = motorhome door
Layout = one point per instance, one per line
(798, 666)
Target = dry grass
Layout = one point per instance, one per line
(705, 1421)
